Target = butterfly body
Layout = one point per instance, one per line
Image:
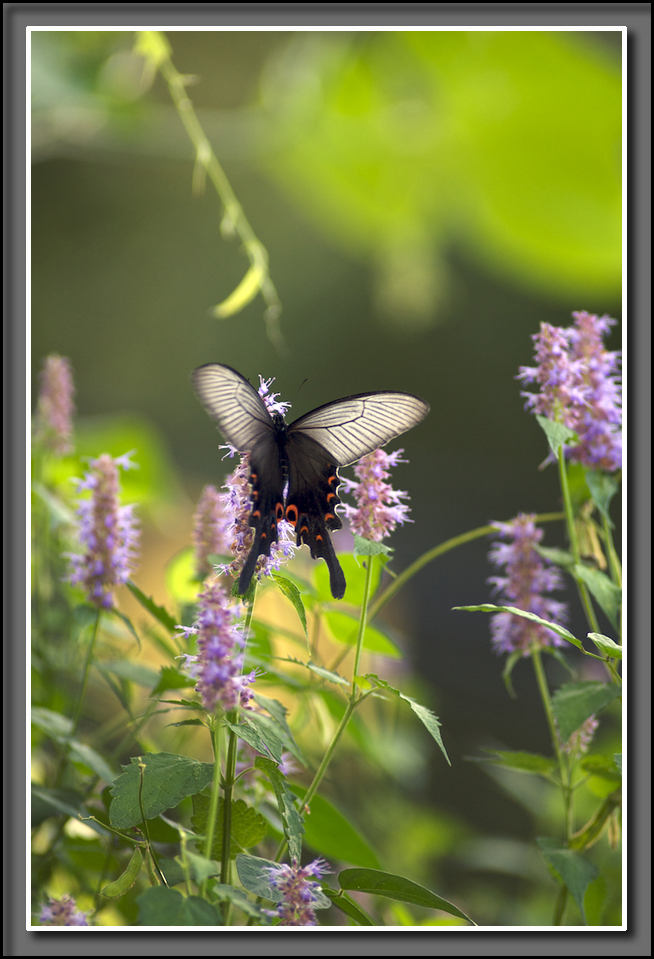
(303, 456)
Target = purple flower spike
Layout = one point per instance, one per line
(55, 407)
(527, 579)
(218, 663)
(379, 507)
(298, 890)
(107, 530)
(209, 528)
(579, 387)
(62, 912)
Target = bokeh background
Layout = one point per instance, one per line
(426, 199)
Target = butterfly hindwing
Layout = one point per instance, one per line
(267, 483)
(311, 502)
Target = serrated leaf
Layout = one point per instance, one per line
(603, 487)
(147, 602)
(255, 875)
(167, 779)
(574, 703)
(367, 547)
(378, 883)
(160, 906)
(328, 832)
(248, 826)
(286, 806)
(604, 591)
(520, 761)
(557, 434)
(292, 593)
(574, 871)
(606, 645)
(492, 608)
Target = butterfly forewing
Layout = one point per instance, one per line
(352, 427)
(235, 405)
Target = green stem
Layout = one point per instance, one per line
(574, 542)
(437, 551)
(212, 816)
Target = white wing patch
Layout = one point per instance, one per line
(234, 404)
(352, 427)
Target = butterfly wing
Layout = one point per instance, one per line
(311, 500)
(234, 404)
(334, 435)
(356, 425)
(246, 424)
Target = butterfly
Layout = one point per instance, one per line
(305, 454)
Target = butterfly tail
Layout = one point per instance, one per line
(336, 575)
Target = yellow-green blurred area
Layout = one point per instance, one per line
(426, 200)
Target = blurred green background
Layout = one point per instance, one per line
(426, 199)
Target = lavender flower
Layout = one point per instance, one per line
(62, 912)
(55, 407)
(298, 891)
(527, 579)
(209, 528)
(108, 531)
(217, 666)
(237, 505)
(379, 508)
(579, 388)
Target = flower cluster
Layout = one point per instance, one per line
(527, 579)
(237, 506)
(581, 738)
(108, 531)
(62, 912)
(217, 666)
(578, 381)
(210, 523)
(379, 508)
(299, 892)
(55, 408)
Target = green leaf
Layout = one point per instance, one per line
(328, 832)
(520, 761)
(134, 672)
(167, 779)
(159, 612)
(291, 592)
(560, 557)
(126, 620)
(248, 826)
(604, 768)
(239, 899)
(346, 905)
(605, 592)
(355, 577)
(573, 870)
(491, 608)
(377, 883)
(267, 736)
(575, 702)
(171, 678)
(557, 434)
(181, 580)
(286, 806)
(345, 628)
(426, 716)
(58, 802)
(593, 829)
(603, 487)
(160, 906)
(327, 674)
(93, 760)
(366, 547)
(59, 728)
(125, 882)
(606, 645)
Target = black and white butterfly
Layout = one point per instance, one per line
(305, 454)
